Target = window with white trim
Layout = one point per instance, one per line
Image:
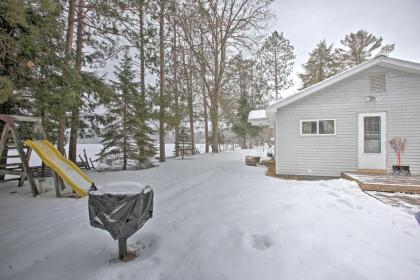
(317, 127)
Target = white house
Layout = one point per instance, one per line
(258, 118)
(344, 123)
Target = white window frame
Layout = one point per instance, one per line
(317, 127)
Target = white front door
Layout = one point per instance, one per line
(372, 141)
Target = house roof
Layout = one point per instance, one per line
(377, 61)
(257, 114)
(258, 118)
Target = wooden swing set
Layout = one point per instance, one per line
(15, 130)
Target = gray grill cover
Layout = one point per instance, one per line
(121, 208)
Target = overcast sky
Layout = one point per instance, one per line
(306, 22)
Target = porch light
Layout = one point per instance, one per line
(370, 98)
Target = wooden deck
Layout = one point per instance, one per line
(384, 182)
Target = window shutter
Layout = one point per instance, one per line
(377, 83)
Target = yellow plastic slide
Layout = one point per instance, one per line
(66, 169)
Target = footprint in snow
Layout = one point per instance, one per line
(262, 242)
(415, 261)
(333, 194)
(143, 248)
(345, 202)
(331, 206)
(408, 233)
(259, 242)
(146, 245)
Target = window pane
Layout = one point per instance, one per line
(309, 127)
(372, 131)
(326, 127)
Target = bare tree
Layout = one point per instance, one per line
(225, 25)
(205, 115)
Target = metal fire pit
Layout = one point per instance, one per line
(121, 208)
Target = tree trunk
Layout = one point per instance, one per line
(61, 133)
(70, 30)
(214, 109)
(252, 89)
(175, 84)
(142, 78)
(214, 117)
(44, 125)
(219, 63)
(276, 82)
(67, 58)
(191, 116)
(190, 104)
(206, 121)
(162, 82)
(75, 117)
(125, 133)
(205, 105)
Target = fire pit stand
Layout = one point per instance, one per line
(121, 208)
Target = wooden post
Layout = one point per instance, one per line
(25, 164)
(3, 161)
(23, 175)
(82, 160)
(56, 184)
(122, 249)
(4, 136)
(61, 182)
(86, 159)
(91, 162)
(3, 148)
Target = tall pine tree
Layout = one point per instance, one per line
(29, 31)
(129, 25)
(321, 65)
(361, 46)
(121, 124)
(277, 58)
(241, 84)
(143, 131)
(241, 126)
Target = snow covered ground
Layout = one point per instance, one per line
(214, 218)
(93, 149)
(91, 152)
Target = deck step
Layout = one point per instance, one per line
(371, 171)
(384, 182)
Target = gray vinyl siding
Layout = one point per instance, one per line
(330, 155)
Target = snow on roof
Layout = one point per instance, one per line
(379, 60)
(257, 114)
(258, 118)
